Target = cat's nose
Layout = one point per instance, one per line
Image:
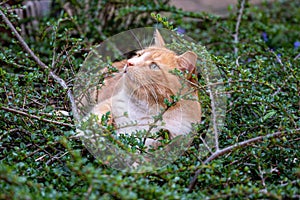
(129, 63)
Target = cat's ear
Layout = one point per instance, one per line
(187, 61)
(158, 39)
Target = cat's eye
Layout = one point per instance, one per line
(154, 66)
(138, 54)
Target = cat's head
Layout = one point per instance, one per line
(148, 73)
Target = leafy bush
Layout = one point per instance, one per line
(258, 56)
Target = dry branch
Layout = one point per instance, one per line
(245, 143)
(237, 26)
(12, 110)
(60, 81)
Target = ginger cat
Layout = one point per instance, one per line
(139, 91)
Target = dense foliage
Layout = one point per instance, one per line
(41, 159)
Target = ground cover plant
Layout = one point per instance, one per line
(257, 51)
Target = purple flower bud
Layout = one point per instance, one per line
(180, 30)
(296, 44)
(264, 36)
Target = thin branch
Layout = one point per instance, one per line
(263, 179)
(61, 82)
(237, 26)
(292, 182)
(278, 59)
(214, 118)
(36, 117)
(236, 146)
(56, 157)
(206, 145)
(203, 87)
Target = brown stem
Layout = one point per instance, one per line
(61, 82)
(35, 116)
(237, 26)
(233, 147)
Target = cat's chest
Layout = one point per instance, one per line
(128, 110)
(131, 115)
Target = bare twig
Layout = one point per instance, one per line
(35, 116)
(236, 146)
(61, 82)
(89, 191)
(263, 179)
(278, 59)
(292, 182)
(206, 145)
(237, 26)
(56, 157)
(214, 118)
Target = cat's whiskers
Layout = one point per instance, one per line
(147, 97)
(152, 91)
(160, 91)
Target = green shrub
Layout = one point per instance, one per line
(41, 159)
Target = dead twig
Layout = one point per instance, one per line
(59, 80)
(214, 118)
(12, 110)
(245, 143)
(237, 26)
